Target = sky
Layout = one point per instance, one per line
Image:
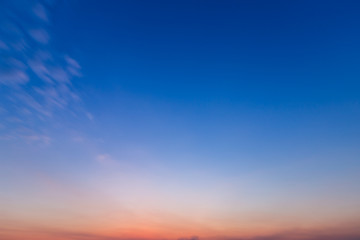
(179, 120)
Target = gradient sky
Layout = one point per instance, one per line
(179, 120)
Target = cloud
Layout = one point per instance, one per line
(105, 159)
(3, 46)
(28, 135)
(13, 77)
(73, 66)
(78, 139)
(13, 72)
(40, 35)
(35, 78)
(37, 138)
(40, 11)
(90, 116)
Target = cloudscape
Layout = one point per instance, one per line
(179, 120)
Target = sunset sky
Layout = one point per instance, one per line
(179, 120)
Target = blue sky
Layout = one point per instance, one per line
(245, 113)
(236, 77)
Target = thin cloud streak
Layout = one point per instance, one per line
(34, 77)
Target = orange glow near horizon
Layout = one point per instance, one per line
(166, 228)
(179, 120)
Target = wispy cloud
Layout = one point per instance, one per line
(37, 138)
(40, 11)
(39, 35)
(35, 78)
(105, 159)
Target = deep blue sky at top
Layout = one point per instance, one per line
(257, 52)
(190, 91)
(234, 75)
